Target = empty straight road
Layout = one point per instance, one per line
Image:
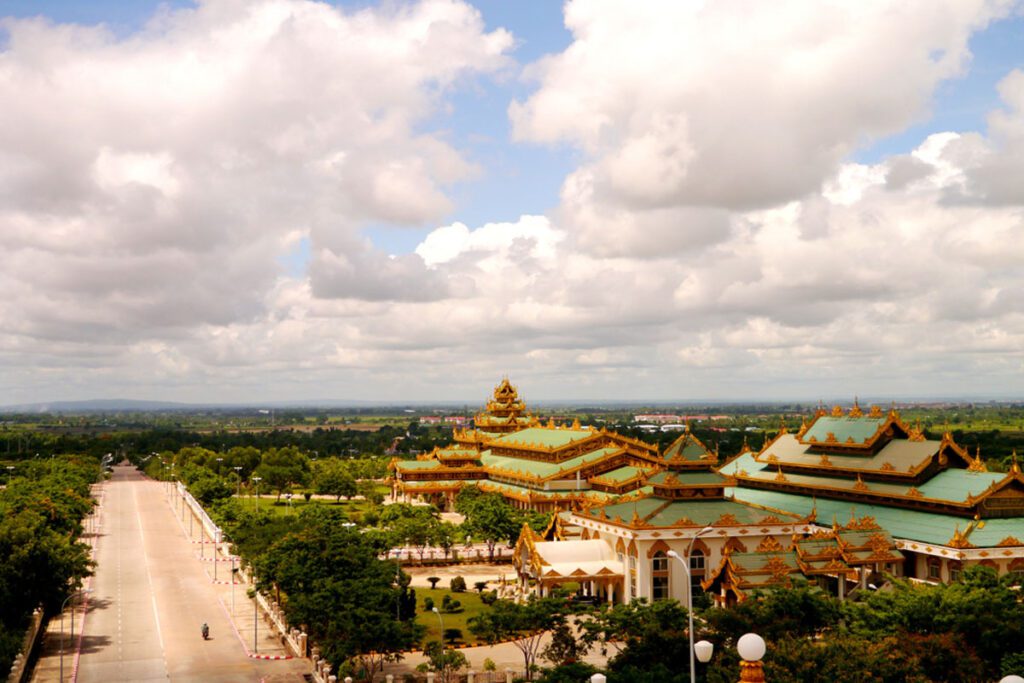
(150, 595)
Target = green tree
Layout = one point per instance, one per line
(523, 623)
(331, 477)
(282, 468)
(488, 517)
(209, 489)
(334, 583)
(651, 639)
(444, 662)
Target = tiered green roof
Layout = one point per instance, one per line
(926, 527)
(542, 469)
(843, 429)
(540, 436)
(619, 475)
(653, 511)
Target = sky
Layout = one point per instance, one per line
(277, 200)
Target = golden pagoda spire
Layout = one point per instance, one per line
(782, 426)
(977, 464)
(855, 411)
(1014, 467)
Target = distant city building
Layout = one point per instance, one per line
(657, 418)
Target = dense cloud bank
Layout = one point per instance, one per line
(714, 240)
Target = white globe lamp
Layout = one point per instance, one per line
(751, 648)
(704, 649)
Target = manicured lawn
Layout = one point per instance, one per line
(471, 606)
(272, 505)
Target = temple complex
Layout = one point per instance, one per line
(535, 466)
(853, 496)
(622, 549)
(938, 502)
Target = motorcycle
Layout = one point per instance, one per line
(206, 632)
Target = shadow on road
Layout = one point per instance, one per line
(98, 604)
(91, 644)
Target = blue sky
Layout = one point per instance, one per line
(679, 200)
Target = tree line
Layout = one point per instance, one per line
(971, 630)
(44, 559)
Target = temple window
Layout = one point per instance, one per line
(659, 576)
(934, 569)
(954, 572)
(697, 570)
(632, 576)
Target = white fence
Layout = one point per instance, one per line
(294, 640)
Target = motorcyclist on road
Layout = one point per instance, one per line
(206, 631)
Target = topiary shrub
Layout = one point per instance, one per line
(433, 581)
(458, 585)
(428, 604)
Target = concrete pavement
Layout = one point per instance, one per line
(150, 595)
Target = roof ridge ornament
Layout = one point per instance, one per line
(977, 464)
(855, 411)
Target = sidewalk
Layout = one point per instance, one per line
(255, 633)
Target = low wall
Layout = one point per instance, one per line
(20, 667)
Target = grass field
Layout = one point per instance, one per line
(272, 505)
(471, 606)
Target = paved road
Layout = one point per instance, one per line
(150, 596)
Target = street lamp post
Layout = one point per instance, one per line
(689, 591)
(62, 606)
(751, 648)
(10, 474)
(238, 487)
(440, 621)
(256, 481)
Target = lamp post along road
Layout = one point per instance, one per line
(689, 591)
(63, 605)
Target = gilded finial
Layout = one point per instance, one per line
(1014, 467)
(782, 426)
(855, 411)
